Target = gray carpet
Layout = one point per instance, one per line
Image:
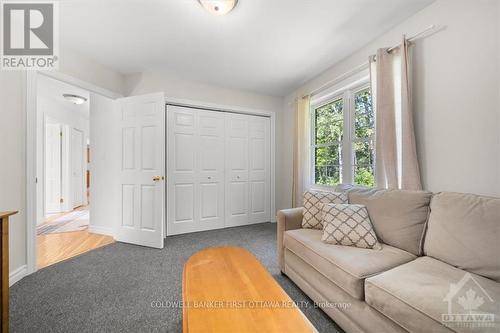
(111, 289)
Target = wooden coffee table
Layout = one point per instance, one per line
(226, 289)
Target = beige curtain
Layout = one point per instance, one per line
(395, 147)
(300, 150)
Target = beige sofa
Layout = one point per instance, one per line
(436, 249)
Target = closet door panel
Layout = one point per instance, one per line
(259, 169)
(211, 169)
(182, 175)
(236, 169)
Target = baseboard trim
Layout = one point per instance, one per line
(95, 229)
(17, 274)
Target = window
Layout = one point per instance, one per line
(343, 139)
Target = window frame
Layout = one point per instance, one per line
(349, 134)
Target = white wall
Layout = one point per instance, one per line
(13, 165)
(13, 140)
(498, 82)
(104, 159)
(456, 95)
(176, 87)
(78, 66)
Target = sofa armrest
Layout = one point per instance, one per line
(287, 219)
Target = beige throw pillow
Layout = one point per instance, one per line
(348, 225)
(313, 204)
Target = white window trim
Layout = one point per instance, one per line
(346, 93)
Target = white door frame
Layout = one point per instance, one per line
(242, 110)
(31, 151)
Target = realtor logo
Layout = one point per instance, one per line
(29, 35)
(465, 300)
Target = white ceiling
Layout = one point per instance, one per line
(266, 46)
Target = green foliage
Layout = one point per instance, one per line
(364, 128)
(327, 175)
(364, 176)
(364, 123)
(329, 122)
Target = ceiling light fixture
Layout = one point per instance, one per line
(218, 7)
(75, 99)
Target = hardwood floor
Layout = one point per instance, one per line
(56, 247)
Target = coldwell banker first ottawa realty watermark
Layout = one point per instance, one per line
(29, 35)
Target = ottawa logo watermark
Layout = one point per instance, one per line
(465, 300)
(29, 35)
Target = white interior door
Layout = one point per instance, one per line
(142, 169)
(195, 184)
(53, 164)
(77, 167)
(259, 169)
(237, 203)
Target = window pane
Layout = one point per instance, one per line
(328, 165)
(329, 122)
(331, 155)
(364, 118)
(363, 163)
(328, 175)
(363, 152)
(364, 175)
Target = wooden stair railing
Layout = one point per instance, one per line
(4, 270)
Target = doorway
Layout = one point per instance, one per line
(63, 172)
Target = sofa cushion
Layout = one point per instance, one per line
(349, 225)
(464, 231)
(313, 207)
(345, 266)
(399, 217)
(415, 295)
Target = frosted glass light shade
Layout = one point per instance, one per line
(75, 99)
(218, 7)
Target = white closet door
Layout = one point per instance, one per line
(195, 183)
(259, 169)
(237, 203)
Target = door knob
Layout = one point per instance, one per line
(156, 178)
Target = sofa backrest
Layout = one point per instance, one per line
(399, 217)
(464, 231)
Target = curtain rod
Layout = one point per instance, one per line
(365, 65)
(415, 36)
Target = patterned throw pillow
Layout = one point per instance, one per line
(313, 205)
(348, 225)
